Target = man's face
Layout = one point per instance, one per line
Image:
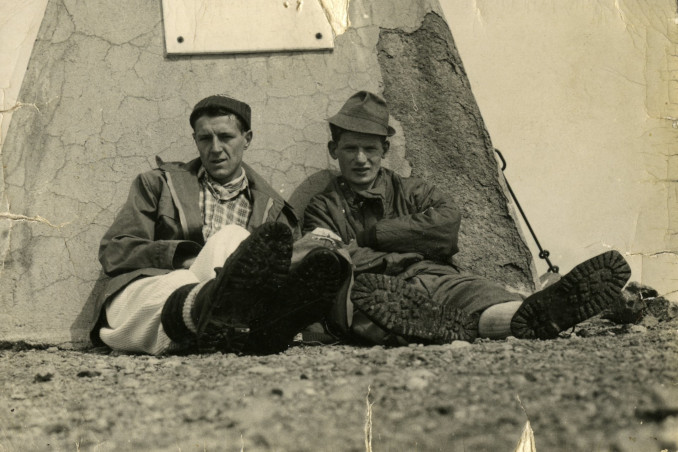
(221, 145)
(359, 156)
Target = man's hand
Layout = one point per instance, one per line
(352, 246)
(185, 254)
(186, 263)
(318, 237)
(323, 232)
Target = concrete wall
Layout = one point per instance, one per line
(582, 99)
(19, 23)
(105, 100)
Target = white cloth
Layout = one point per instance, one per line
(134, 314)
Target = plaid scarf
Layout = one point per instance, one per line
(225, 204)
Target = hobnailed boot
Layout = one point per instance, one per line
(307, 297)
(222, 308)
(400, 308)
(584, 292)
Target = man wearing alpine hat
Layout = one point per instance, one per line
(402, 233)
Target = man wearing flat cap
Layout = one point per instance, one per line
(401, 234)
(199, 255)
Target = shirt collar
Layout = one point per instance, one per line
(376, 191)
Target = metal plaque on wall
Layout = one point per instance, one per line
(245, 26)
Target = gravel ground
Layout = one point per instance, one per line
(607, 387)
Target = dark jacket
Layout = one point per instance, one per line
(398, 219)
(160, 224)
(403, 227)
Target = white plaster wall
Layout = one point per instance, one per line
(19, 24)
(107, 100)
(579, 97)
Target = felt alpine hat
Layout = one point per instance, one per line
(227, 103)
(364, 112)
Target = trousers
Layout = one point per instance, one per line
(133, 315)
(444, 285)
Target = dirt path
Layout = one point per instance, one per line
(607, 388)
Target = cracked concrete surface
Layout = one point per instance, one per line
(108, 101)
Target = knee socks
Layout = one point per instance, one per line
(495, 321)
(178, 316)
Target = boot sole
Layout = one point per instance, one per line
(584, 292)
(250, 276)
(398, 307)
(307, 298)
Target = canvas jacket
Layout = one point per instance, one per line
(160, 224)
(398, 222)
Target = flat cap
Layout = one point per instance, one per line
(227, 103)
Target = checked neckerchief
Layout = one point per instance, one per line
(225, 204)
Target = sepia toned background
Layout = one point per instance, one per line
(579, 98)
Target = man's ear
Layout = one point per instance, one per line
(248, 138)
(194, 140)
(386, 145)
(332, 148)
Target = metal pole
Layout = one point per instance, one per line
(543, 254)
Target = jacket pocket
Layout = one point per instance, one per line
(167, 225)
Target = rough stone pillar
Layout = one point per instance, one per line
(107, 101)
(428, 92)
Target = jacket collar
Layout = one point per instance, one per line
(184, 177)
(379, 189)
(183, 180)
